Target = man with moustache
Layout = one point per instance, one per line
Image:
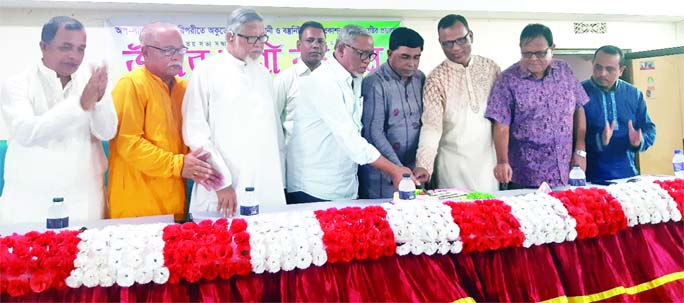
(56, 118)
(312, 48)
(456, 146)
(392, 105)
(536, 106)
(618, 124)
(229, 111)
(326, 146)
(148, 157)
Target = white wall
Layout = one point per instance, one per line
(494, 38)
(498, 39)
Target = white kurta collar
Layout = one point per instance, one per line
(301, 69)
(341, 74)
(51, 77)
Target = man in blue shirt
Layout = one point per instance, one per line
(618, 124)
(392, 107)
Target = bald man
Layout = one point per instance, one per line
(148, 158)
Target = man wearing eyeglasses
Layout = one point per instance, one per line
(229, 111)
(618, 124)
(392, 105)
(456, 145)
(536, 105)
(57, 116)
(326, 145)
(148, 159)
(312, 48)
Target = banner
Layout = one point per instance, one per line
(205, 36)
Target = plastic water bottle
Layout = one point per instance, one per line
(577, 177)
(57, 216)
(407, 189)
(249, 206)
(678, 163)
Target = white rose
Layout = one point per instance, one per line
(91, 278)
(456, 247)
(144, 277)
(444, 248)
(273, 265)
(125, 277)
(319, 258)
(117, 244)
(404, 249)
(154, 260)
(430, 248)
(99, 259)
(258, 267)
(656, 218)
(289, 262)
(527, 243)
(133, 259)
(417, 247)
(304, 261)
(106, 277)
(75, 279)
(161, 275)
(98, 245)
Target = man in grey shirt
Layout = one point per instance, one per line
(392, 107)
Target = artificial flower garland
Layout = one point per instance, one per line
(161, 253)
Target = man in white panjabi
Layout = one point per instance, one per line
(456, 146)
(56, 119)
(229, 111)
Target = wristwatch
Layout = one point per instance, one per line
(581, 153)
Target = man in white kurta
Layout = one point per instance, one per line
(56, 119)
(326, 146)
(229, 111)
(456, 146)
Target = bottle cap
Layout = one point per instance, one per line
(406, 175)
(58, 199)
(249, 188)
(678, 151)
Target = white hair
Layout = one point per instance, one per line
(348, 33)
(240, 17)
(150, 31)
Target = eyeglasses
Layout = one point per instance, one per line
(170, 51)
(312, 41)
(539, 55)
(254, 39)
(459, 41)
(364, 55)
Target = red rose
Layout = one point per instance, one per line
(211, 271)
(171, 232)
(243, 268)
(174, 277)
(241, 238)
(192, 274)
(238, 225)
(18, 286)
(223, 251)
(205, 224)
(202, 256)
(243, 250)
(40, 281)
(226, 270)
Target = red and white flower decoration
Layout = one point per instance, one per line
(161, 253)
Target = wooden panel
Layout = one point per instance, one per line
(666, 107)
